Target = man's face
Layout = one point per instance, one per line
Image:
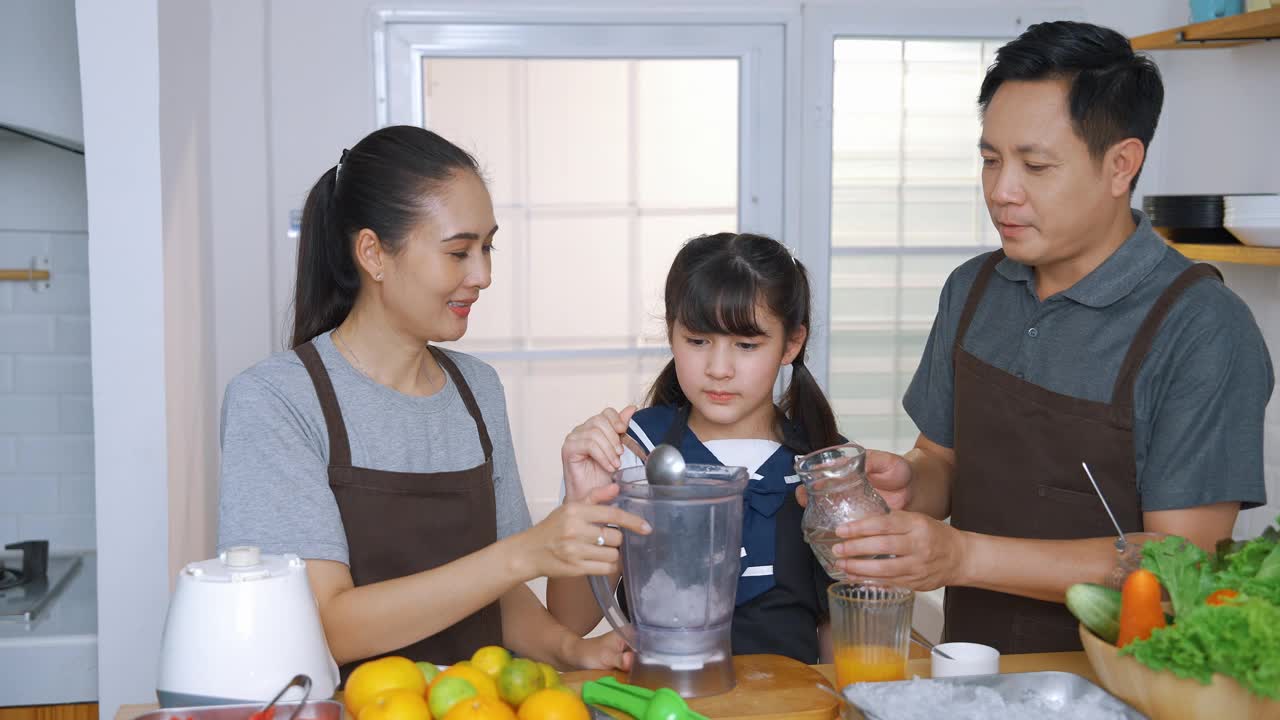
(1046, 194)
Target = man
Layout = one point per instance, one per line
(1085, 340)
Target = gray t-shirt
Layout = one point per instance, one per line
(1200, 395)
(274, 490)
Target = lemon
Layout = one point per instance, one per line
(429, 670)
(446, 693)
(518, 680)
(550, 678)
(490, 660)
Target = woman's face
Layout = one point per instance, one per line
(431, 284)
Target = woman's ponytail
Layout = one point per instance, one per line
(327, 281)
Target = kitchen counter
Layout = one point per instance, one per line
(53, 660)
(1072, 662)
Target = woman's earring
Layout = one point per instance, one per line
(378, 277)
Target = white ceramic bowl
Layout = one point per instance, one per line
(1252, 204)
(1256, 234)
(966, 659)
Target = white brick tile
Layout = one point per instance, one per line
(64, 532)
(75, 413)
(8, 529)
(29, 493)
(8, 453)
(75, 494)
(55, 453)
(26, 333)
(18, 247)
(28, 413)
(6, 373)
(52, 373)
(67, 293)
(71, 334)
(69, 252)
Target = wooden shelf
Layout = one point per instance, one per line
(1240, 254)
(1232, 31)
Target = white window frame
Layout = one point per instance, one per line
(823, 25)
(765, 41)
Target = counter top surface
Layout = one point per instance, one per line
(1072, 662)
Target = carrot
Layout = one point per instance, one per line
(1140, 610)
(1221, 597)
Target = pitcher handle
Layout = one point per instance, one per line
(612, 612)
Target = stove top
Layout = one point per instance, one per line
(25, 592)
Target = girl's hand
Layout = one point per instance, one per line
(574, 539)
(603, 652)
(590, 452)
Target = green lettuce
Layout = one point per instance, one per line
(1183, 570)
(1240, 640)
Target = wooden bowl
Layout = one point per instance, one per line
(1161, 695)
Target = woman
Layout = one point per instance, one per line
(385, 461)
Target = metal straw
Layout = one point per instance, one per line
(1121, 542)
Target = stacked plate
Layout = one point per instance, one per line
(1188, 218)
(1255, 219)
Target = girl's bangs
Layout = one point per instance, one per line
(720, 302)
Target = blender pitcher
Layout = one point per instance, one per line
(681, 579)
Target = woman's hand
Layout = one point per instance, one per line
(603, 652)
(590, 451)
(574, 539)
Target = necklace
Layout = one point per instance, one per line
(352, 353)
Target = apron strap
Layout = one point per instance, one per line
(1122, 395)
(467, 398)
(975, 296)
(339, 446)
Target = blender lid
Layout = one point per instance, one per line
(701, 482)
(243, 563)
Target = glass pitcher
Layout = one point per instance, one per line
(835, 479)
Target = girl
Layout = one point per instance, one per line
(737, 311)
(385, 461)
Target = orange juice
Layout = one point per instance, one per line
(869, 663)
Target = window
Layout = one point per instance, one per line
(906, 209)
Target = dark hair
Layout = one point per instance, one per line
(1115, 93)
(384, 183)
(714, 286)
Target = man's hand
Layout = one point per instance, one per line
(928, 553)
(888, 473)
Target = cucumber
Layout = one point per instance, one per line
(1098, 607)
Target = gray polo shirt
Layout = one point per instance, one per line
(1200, 395)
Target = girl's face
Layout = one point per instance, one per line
(429, 287)
(729, 379)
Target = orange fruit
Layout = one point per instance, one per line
(397, 704)
(484, 685)
(518, 680)
(370, 679)
(448, 692)
(554, 704)
(491, 659)
(480, 708)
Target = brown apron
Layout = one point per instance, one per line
(400, 523)
(1018, 452)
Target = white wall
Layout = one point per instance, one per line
(118, 40)
(39, 72)
(46, 415)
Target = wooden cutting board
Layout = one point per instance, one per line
(769, 687)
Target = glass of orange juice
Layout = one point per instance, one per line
(870, 631)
